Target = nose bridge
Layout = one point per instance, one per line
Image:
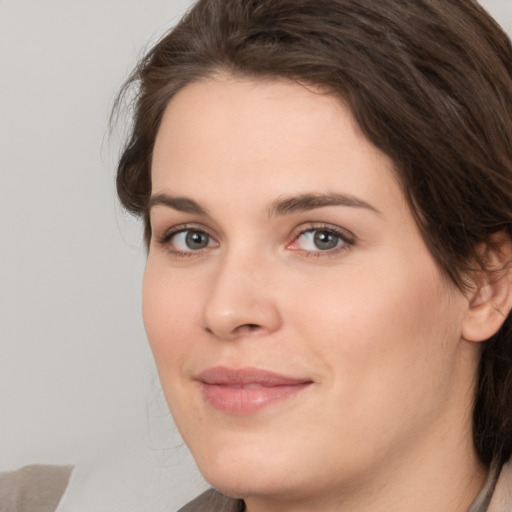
(240, 298)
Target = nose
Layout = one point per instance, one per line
(241, 301)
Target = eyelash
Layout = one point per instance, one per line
(345, 238)
(165, 240)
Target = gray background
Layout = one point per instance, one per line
(73, 357)
(76, 374)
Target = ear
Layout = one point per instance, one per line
(490, 299)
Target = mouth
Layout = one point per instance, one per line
(244, 391)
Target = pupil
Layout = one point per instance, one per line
(325, 240)
(196, 240)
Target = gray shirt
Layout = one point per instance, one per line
(39, 488)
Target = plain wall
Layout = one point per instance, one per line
(74, 362)
(75, 369)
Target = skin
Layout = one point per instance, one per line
(373, 323)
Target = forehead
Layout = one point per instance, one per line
(264, 136)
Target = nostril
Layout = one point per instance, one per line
(248, 328)
(244, 328)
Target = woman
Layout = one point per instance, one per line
(326, 187)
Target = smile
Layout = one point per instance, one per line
(247, 390)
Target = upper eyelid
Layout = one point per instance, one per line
(179, 228)
(325, 226)
(161, 225)
(343, 233)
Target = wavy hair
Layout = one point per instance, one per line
(429, 83)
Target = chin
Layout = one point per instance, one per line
(242, 485)
(243, 472)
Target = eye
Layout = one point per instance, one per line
(187, 241)
(322, 239)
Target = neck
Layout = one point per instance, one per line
(448, 487)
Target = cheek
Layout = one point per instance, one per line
(169, 314)
(383, 337)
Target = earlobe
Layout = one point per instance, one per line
(490, 300)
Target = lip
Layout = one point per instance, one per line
(247, 390)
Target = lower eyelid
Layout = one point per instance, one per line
(168, 234)
(166, 242)
(345, 241)
(342, 235)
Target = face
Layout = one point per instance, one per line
(305, 338)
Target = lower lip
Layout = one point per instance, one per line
(249, 399)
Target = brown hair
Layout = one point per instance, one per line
(429, 83)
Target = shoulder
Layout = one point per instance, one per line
(501, 500)
(213, 501)
(35, 488)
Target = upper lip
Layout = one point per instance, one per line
(224, 376)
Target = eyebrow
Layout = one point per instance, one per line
(181, 204)
(305, 202)
(282, 206)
